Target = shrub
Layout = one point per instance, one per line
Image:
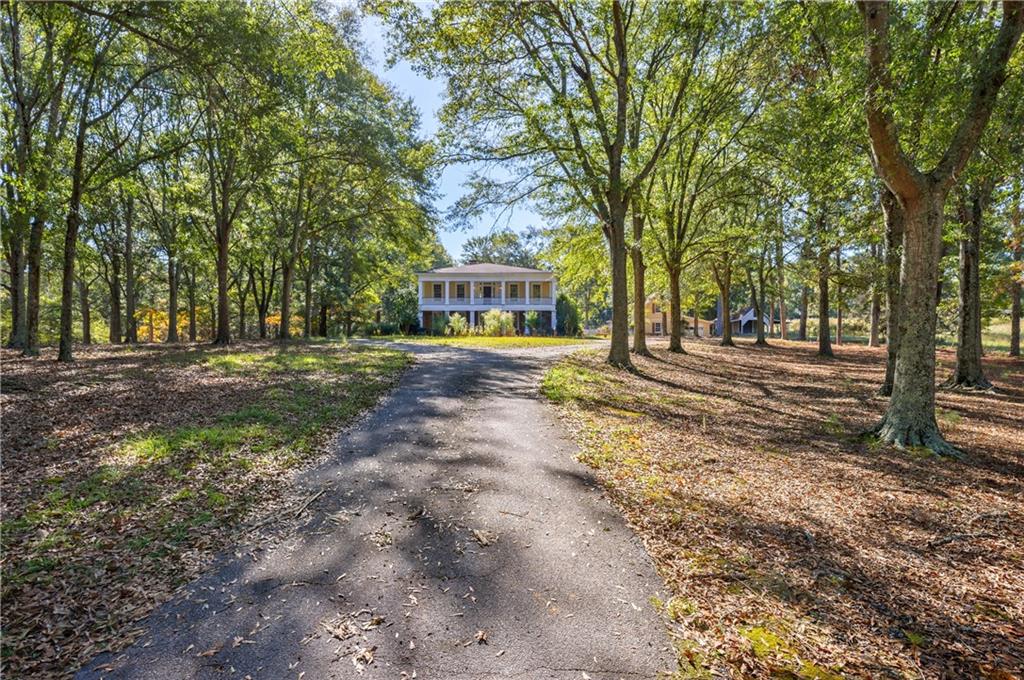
(457, 325)
(568, 320)
(499, 323)
(437, 324)
(532, 319)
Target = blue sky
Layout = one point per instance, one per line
(428, 94)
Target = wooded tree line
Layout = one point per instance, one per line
(203, 171)
(766, 152)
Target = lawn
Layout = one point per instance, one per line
(791, 546)
(127, 471)
(486, 341)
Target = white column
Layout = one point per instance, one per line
(421, 319)
(472, 317)
(472, 292)
(554, 321)
(446, 286)
(526, 284)
(552, 291)
(502, 293)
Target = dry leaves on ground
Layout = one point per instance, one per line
(792, 546)
(127, 470)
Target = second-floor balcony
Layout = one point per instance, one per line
(481, 301)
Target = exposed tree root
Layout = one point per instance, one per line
(981, 384)
(885, 390)
(678, 350)
(904, 436)
(727, 343)
(642, 352)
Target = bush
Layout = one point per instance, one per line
(457, 325)
(532, 319)
(568, 320)
(499, 323)
(381, 328)
(437, 324)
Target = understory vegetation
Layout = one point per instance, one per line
(112, 498)
(792, 546)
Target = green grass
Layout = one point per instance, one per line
(162, 492)
(517, 341)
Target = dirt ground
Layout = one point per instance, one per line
(794, 547)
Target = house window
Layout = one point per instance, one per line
(535, 290)
(460, 291)
(654, 308)
(487, 291)
(513, 290)
(438, 291)
(657, 328)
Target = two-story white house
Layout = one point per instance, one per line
(473, 289)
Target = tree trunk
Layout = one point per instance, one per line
(287, 279)
(83, 298)
(968, 374)
(876, 305)
(223, 336)
(910, 418)
(115, 299)
(675, 342)
(172, 298)
(639, 289)
(839, 297)
(131, 323)
(755, 302)
(780, 275)
(241, 311)
(16, 263)
(824, 332)
(894, 228)
(192, 330)
(307, 306)
(618, 354)
(724, 280)
(805, 305)
(322, 331)
(35, 261)
(1015, 305)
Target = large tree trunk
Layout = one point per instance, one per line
(910, 418)
(1017, 272)
(639, 289)
(618, 354)
(131, 323)
(83, 298)
(172, 298)
(322, 331)
(675, 342)
(876, 305)
(894, 228)
(243, 293)
(16, 263)
(35, 261)
(968, 375)
(223, 336)
(287, 281)
(824, 331)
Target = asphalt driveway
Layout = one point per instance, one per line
(454, 535)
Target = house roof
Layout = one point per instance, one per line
(486, 268)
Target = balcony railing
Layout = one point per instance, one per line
(486, 301)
